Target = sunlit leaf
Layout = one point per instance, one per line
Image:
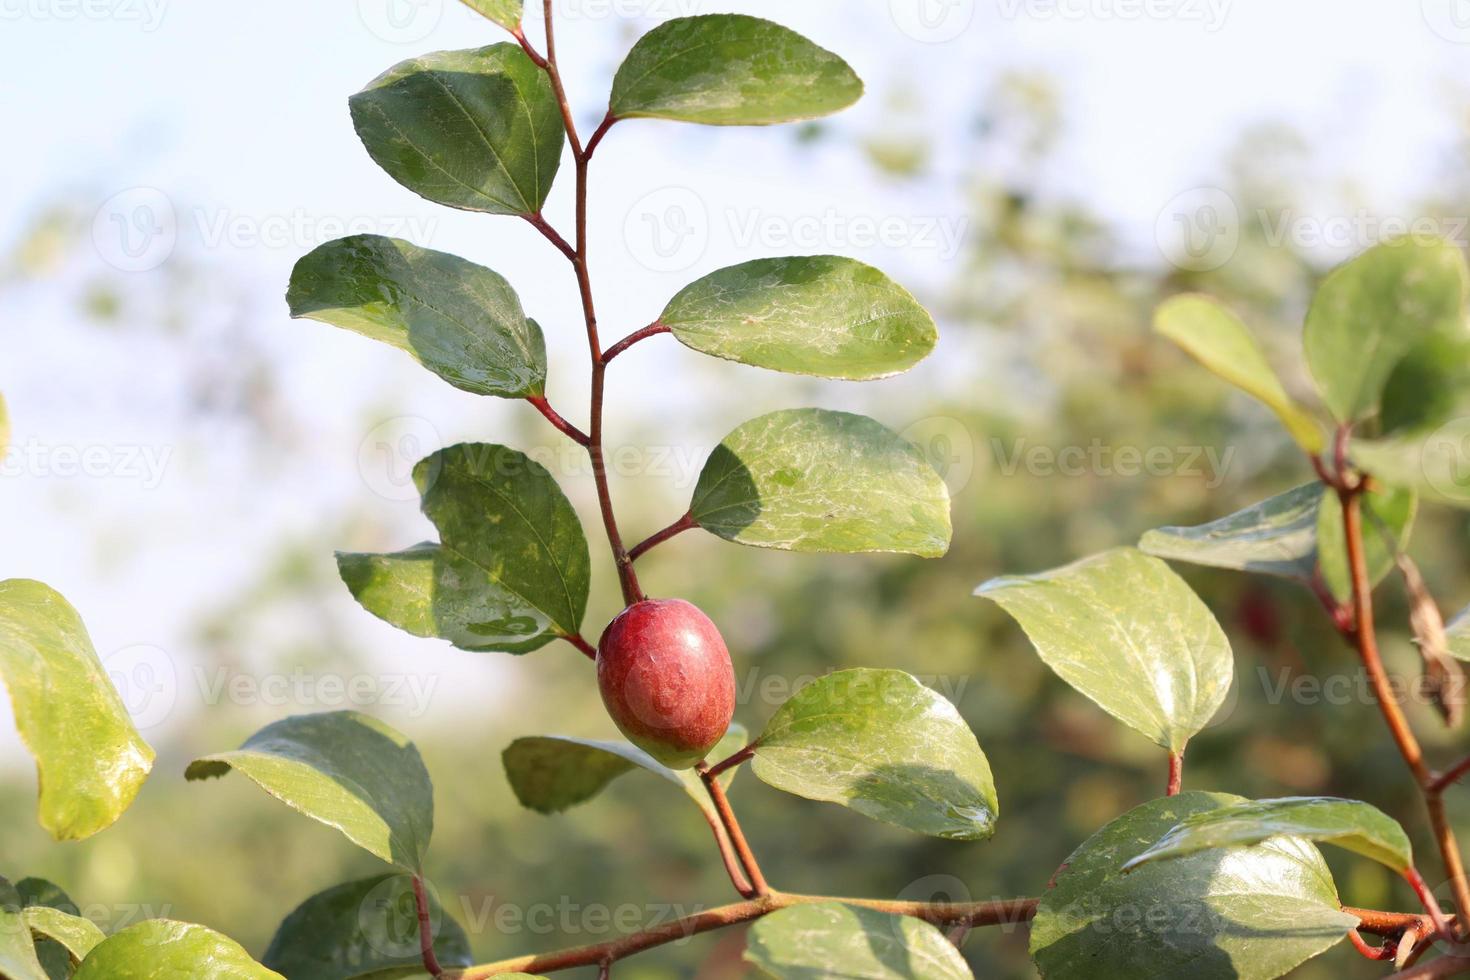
(881, 743)
(346, 770)
(1217, 339)
(730, 70)
(813, 480)
(1243, 913)
(458, 319)
(479, 130)
(511, 571)
(90, 760)
(822, 315)
(1125, 630)
(18, 960)
(831, 940)
(161, 949)
(506, 13)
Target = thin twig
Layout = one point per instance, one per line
(732, 827)
(728, 856)
(562, 425)
(683, 524)
(719, 768)
(580, 642)
(652, 330)
(1450, 776)
(1445, 966)
(426, 928)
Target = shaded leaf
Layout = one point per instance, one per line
(1126, 631)
(881, 743)
(506, 13)
(1252, 913)
(1388, 520)
(363, 929)
(511, 571)
(1436, 464)
(811, 942)
(551, 773)
(1274, 537)
(1372, 311)
(1215, 337)
(813, 480)
(1349, 824)
(90, 760)
(161, 949)
(346, 770)
(18, 959)
(39, 895)
(458, 319)
(821, 315)
(730, 70)
(479, 130)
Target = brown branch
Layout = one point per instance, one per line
(1450, 776)
(652, 330)
(732, 827)
(426, 928)
(683, 524)
(727, 855)
(999, 913)
(562, 425)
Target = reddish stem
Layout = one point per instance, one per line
(552, 235)
(652, 330)
(728, 856)
(732, 827)
(1176, 774)
(426, 928)
(580, 642)
(566, 428)
(1387, 951)
(720, 767)
(1450, 776)
(685, 523)
(602, 128)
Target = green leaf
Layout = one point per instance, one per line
(479, 130)
(812, 942)
(1274, 537)
(18, 960)
(161, 949)
(1126, 631)
(812, 480)
(1252, 913)
(363, 929)
(346, 770)
(40, 897)
(511, 571)
(76, 935)
(821, 315)
(1358, 827)
(1372, 311)
(881, 743)
(730, 70)
(458, 319)
(552, 773)
(1216, 338)
(90, 760)
(1388, 517)
(506, 13)
(1429, 387)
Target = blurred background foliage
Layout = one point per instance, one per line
(1051, 319)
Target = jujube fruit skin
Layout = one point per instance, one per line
(666, 679)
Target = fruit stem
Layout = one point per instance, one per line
(732, 827)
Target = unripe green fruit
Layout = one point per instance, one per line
(666, 679)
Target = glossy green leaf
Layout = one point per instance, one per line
(1274, 537)
(1126, 631)
(881, 743)
(1372, 311)
(479, 130)
(812, 480)
(828, 940)
(506, 13)
(1216, 338)
(76, 935)
(551, 773)
(161, 949)
(458, 319)
(41, 897)
(1349, 824)
(1252, 913)
(511, 571)
(730, 70)
(90, 760)
(346, 770)
(1388, 517)
(363, 929)
(18, 960)
(821, 315)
